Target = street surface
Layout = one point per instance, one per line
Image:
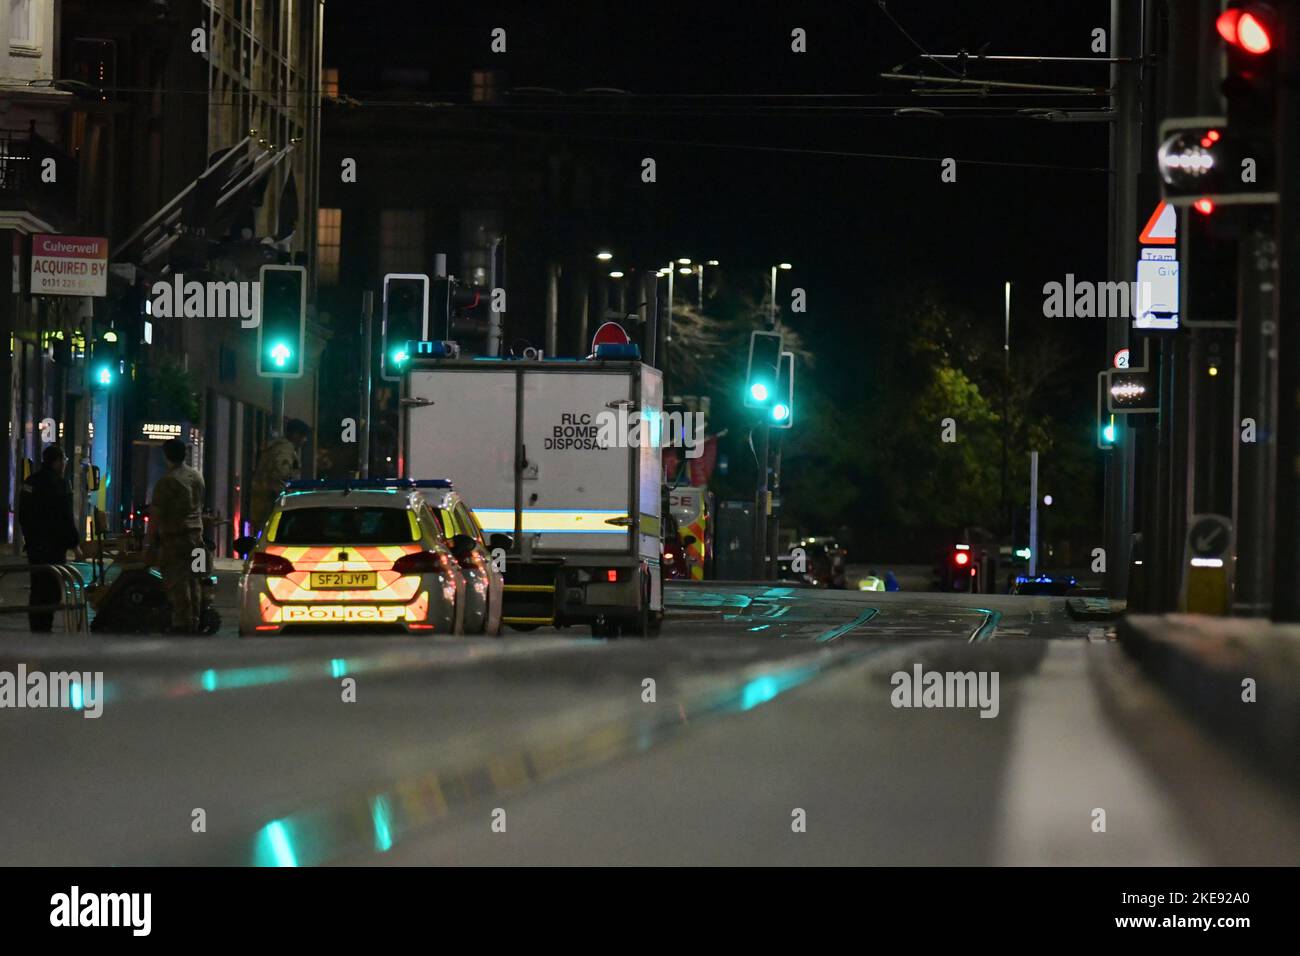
(540, 749)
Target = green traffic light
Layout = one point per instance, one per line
(758, 391)
(780, 412)
(400, 357)
(104, 376)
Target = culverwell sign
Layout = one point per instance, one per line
(69, 265)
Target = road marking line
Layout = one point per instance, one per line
(985, 631)
(1065, 762)
(836, 632)
(353, 825)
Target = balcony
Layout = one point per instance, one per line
(24, 197)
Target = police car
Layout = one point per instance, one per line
(364, 554)
(484, 582)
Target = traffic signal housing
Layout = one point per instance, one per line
(1207, 161)
(449, 300)
(1107, 433)
(105, 361)
(962, 568)
(782, 411)
(1132, 392)
(1247, 27)
(1107, 427)
(281, 331)
(406, 319)
(762, 370)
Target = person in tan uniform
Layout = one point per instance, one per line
(178, 532)
(278, 463)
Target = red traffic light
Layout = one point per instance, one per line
(1204, 205)
(1249, 28)
(961, 558)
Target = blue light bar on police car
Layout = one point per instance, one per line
(347, 484)
(365, 484)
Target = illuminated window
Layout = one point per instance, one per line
(483, 87)
(329, 83)
(329, 235)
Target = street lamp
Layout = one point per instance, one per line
(604, 256)
(700, 267)
(772, 313)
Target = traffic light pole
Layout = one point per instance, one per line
(368, 337)
(1125, 153)
(1286, 582)
(759, 549)
(277, 407)
(774, 522)
(1257, 353)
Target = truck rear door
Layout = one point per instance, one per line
(576, 493)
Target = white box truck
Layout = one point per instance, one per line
(528, 442)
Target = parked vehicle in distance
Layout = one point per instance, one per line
(675, 566)
(1045, 585)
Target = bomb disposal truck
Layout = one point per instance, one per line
(561, 459)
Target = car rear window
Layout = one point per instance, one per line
(307, 526)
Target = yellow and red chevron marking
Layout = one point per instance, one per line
(695, 550)
(296, 585)
(373, 558)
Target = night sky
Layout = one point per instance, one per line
(858, 229)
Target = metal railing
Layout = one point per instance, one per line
(22, 155)
(76, 617)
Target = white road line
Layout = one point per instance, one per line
(1065, 763)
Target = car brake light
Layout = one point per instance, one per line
(611, 575)
(422, 562)
(264, 563)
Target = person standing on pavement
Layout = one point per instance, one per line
(178, 529)
(49, 531)
(279, 462)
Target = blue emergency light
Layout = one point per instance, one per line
(618, 351)
(1046, 579)
(431, 349)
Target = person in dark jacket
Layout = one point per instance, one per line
(49, 530)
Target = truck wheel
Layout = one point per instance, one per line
(644, 622)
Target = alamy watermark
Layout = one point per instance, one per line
(205, 300)
(922, 688)
(66, 690)
(75, 908)
(626, 428)
(1096, 300)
